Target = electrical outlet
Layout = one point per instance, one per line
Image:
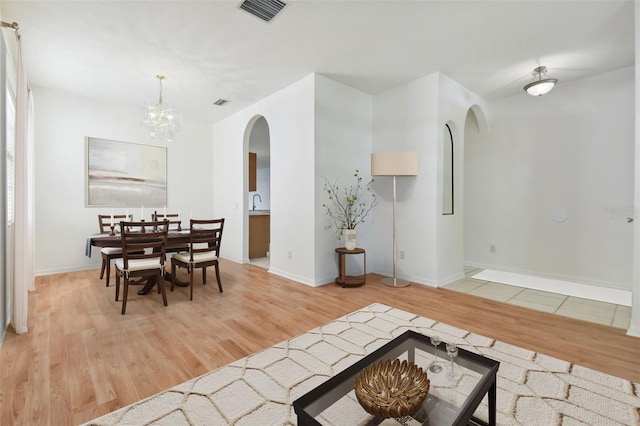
(492, 248)
(401, 254)
(289, 255)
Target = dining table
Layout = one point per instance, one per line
(174, 238)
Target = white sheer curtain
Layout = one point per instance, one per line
(24, 203)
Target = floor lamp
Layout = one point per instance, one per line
(395, 163)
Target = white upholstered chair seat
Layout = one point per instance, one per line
(197, 257)
(138, 264)
(111, 250)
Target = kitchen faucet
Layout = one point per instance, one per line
(254, 200)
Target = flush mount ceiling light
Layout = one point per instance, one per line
(161, 120)
(540, 87)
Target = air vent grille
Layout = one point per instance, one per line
(263, 9)
(220, 102)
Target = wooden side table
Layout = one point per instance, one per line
(344, 279)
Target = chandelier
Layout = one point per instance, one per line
(161, 120)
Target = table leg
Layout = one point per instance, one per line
(342, 268)
(179, 283)
(148, 286)
(151, 282)
(364, 272)
(492, 404)
(411, 355)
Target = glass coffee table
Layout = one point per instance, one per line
(452, 400)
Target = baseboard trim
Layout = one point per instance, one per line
(633, 331)
(65, 270)
(293, 277)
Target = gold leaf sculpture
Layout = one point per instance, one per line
(391, 388)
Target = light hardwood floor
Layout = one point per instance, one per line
(82, 359)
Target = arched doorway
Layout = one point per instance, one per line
(475, 204)
(258, 190)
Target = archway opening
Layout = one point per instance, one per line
(474, 237)
(258, 191)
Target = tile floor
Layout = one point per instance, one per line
(262, 262)
(568, 306)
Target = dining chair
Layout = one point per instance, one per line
(143, 256)
(175, 225)
(205, 237)
(110, 253)
(173, 218)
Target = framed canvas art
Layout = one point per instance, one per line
(125, 174)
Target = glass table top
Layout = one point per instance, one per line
(452, 399)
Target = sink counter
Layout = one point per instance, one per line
(259, 212)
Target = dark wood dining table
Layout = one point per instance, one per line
(174, 238)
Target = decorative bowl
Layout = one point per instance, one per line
(391, 388)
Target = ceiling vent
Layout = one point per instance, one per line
(263, 9)
(220, 102)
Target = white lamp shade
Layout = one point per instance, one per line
(394, 163)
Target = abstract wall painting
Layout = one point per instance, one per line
(125, 174)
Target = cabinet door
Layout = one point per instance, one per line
(252, 172)
(259, 235)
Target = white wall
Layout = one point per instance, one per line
(289, 114)
(454, 102)
(570, 152)
(63, 221)
(412, 117)
(406, 119)
(317, 128)
(342, 146)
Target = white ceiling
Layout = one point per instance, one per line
(211, 49)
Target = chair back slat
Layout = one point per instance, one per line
(104, 222)
(173, 218)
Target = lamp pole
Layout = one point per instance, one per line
(395, 282)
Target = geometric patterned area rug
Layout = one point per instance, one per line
(533, 388)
